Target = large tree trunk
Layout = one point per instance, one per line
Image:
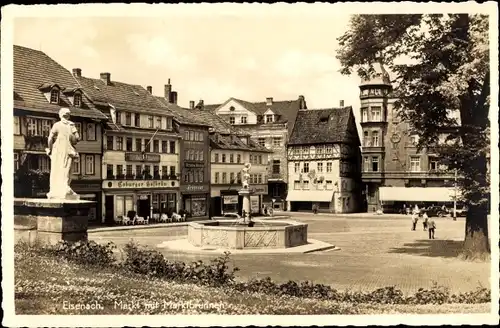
(476, 244)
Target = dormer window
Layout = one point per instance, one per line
(269, 118)
(54, 96)
(77, 100)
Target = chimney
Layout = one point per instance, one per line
(341, 103)
(201, 104)
(173, 97)
(269, 101)
(150, 89)
(191, 104)
(168, 90)
(77, 72)
(302, 102)
(106, 78)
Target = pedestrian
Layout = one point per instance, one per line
(404, 209)
(315, 208)
(414, 220)
(271, 211)
(426, 220)
(431, 228)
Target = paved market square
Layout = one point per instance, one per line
(375, 251)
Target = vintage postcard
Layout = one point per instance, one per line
(249, 164)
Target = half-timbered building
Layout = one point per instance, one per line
(324, 161)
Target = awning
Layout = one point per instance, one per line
(310, 196)
(417, 194)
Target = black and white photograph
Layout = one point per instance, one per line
(249, 164)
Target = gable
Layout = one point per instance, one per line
(233, 107)
(269, 112)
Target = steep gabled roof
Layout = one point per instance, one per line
(182, 115)
(316, 126)
(34, 71)
(233, 142)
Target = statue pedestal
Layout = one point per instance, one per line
(245, 193)
(55, 219)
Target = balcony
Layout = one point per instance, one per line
(146, 176)
(423, 175)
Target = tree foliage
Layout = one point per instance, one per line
(442, 88)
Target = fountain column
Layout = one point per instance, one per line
(245, 192)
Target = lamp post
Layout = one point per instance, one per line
(455, 197)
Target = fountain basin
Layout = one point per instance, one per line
(232, 235)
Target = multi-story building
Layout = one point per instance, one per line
(394, 171)
(324, 161)
(41, 88)
(194, 157)
(141, 149)
(269, 123)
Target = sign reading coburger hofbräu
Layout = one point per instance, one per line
(139, 184)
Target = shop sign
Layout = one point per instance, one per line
(142, 157)
(194, 165)
(199, 199)
(85, 186)
(230, 199)
(259, 190)
(138, 184)
(194, 188)
(254, 204)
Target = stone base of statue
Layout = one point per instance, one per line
(53, 220)
(246, 209)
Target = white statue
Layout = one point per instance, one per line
(246, 175)
(62, 139)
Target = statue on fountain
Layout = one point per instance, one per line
(61, 149)
(245, 193)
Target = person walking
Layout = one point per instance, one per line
(315, 208)
(426, 220)
(431, 228)
(414, 220)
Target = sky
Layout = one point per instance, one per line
(209, 57)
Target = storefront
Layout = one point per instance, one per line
(231, 202)
(144, 197)
(396, 199)
(90, 190)
(195, 200)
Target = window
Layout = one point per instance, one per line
(137, 120)
(366, 139)
(38, 127)
(79, 129)
(156, 171)
(91, 133)
(118, 117)
(191, 135)
(150, 121)
(231, 120)
(375, 142)
(16, 161)
(329, 184)
(224, 177)
(216, 158)
(129, 171)
(262, 142)
(138, 144)
(109, 171)
(329, 167)
(89, 164)
(172, 170)
(231, 177)
(415, 164)
(414, 140)
(375, 167)
(109, 142)
(128, 144)
(364, 114)
(223, 158)
(164, 146)
(128, 119)
(433, 164)
(243, 120)
(238, 158)
(306, 168)
(251, 159)
(260, 159)
(276, 166)
(75, 166)
(186, 135)
(375, 113)
(156, 146)
(276, 142)
(77, 100)
(231, 158)
(158, 122)
(366, 165)
(260, 178)
(306, 184)
(164, 171)
(269, 118)
(147, 145)
(119, 171)
(169, 123)
(119, 143)
(216, 177)
(138, 170)
(297, 167)
(54, 96)
(196, 155)
(17, 125)
(172, 147)
(320, 167)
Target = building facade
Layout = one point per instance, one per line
(141, 148)
(395, 173)
(41, 88)
(194, 158)
(269, 123)
(324, 162)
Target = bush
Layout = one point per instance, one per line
(85, 252)
(435, 295)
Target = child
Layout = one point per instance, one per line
(432, 228)
(426, 220)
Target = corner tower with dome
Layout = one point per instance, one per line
(394, 174)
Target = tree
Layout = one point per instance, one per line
(447, 71)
